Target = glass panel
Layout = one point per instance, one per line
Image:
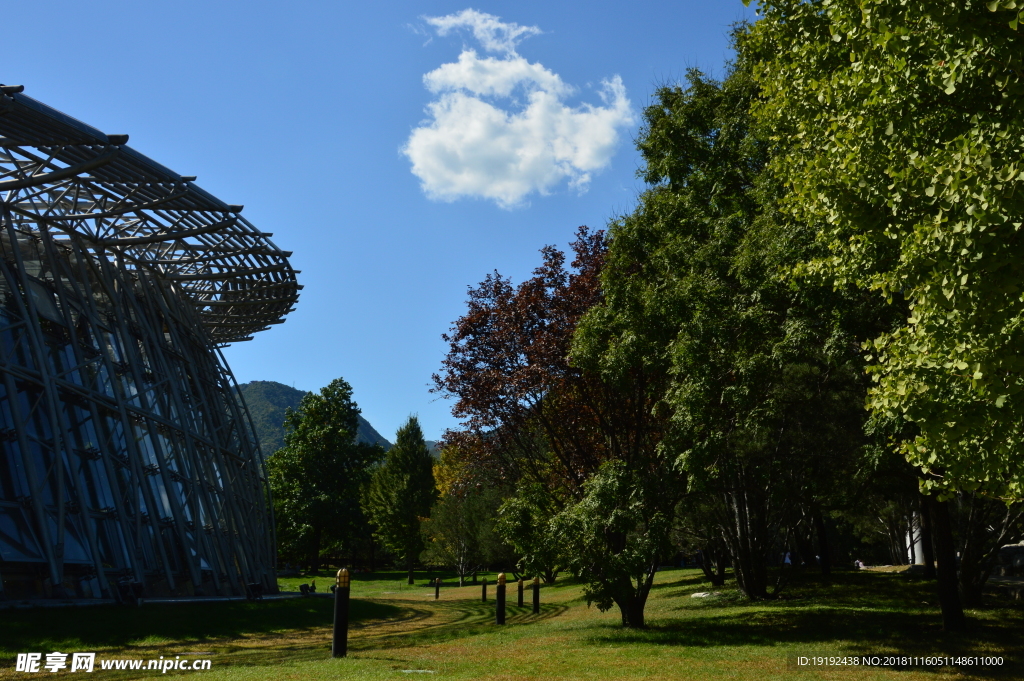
(17, 541)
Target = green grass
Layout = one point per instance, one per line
(108, 627)
(385, 582)
(398, 628)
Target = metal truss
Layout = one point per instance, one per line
(128, 460)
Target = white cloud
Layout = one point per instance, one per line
(493, 77)
(500, 128)
(492, 33)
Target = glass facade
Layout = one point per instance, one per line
(128, 463)
(126, 456)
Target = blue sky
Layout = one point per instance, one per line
(402, 150)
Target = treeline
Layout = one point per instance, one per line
(834, 224)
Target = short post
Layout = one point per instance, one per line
(437, 588)
(339, 647)
(536, 594)
(483, 591)
(499, 614)
(520, 592)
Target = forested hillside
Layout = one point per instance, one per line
(267, 401)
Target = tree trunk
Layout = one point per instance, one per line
(748, 531)
(949, 598)
(314, 554)
(408, 564)
(987, 526)
(823, 548)
(632, 613)
(804, 553)
(712, 564)
(927, 539)
(751, 575)
(632, 601)
(911, 542)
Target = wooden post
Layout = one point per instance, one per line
(520, 592)
(339, 647)
(437, 588)
(483, 591)
(499, 613)
(536, 594)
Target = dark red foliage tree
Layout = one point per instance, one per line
(549, 425)
(508, 367)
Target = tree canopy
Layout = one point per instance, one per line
(315, 478)
(902, 135)
(400, 493)
(765, 377)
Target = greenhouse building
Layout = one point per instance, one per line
(128, 463)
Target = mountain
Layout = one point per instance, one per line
(267, 401)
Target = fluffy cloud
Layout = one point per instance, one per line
(492, 33)
(500, 127)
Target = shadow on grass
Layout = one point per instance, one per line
(118, 627)
(461, 619)
(857, 631)
(689, 579)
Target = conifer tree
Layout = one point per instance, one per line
(401, 492)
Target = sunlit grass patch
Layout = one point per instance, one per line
(402, 632)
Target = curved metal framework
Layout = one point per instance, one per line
(128, 462)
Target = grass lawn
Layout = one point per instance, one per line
(401, 632)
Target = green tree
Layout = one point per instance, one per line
(766, 377)
(315, 477)
(523, 524)
(460, 531)
(400, 494)
(614, 537)
(903, 136)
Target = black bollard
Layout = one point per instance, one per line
(536, 594)
(339, 647)
(520, 592)
(437, 588)
(499, 612)
(483, 591)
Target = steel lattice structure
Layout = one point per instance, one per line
(128, 459)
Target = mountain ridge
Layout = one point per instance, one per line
(267, 402)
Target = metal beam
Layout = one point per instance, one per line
(62, 174)
(169, 236)
(119, 211)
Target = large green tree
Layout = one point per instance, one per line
(400, 494)
(766, 378)
(315, 478)
(615, 536)
(903, 135)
